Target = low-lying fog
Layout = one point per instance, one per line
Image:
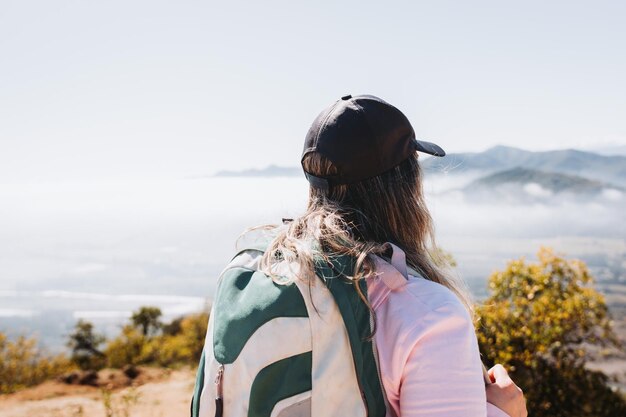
(99, 250)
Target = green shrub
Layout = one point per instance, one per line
(127, 348)
(23, 364)
(184, 347)
(181, 342)
(537, 321)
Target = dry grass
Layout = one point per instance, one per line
(163, 395)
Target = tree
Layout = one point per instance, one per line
(147, 319)
(84, 344)
(538, 320)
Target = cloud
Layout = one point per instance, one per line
(536, 190)
(88, 268)
(612, 194)
(17, 312)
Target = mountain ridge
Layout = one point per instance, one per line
(500, 157)
(269, 171)
(611, 169)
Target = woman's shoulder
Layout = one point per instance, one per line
(431, 295)
(419, 305)
(418, 293)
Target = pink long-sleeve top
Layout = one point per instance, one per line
(427, 348)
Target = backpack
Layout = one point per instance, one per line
(297, 349)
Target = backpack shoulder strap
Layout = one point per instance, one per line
(247, 256)
(257, 246)
(393, 272)
(358, 320)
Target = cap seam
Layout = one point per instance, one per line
(369, 126)
(317, 136)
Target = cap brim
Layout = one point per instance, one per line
(429, 148)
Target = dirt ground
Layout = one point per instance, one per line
(163, 394)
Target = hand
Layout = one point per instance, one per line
(504, 394)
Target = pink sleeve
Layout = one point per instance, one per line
(493, 411)
(443, 373)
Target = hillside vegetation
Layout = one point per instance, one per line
(145, 340)
(541, 320)
(552, 181)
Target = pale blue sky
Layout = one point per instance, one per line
(96, 89)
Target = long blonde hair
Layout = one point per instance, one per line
(357, 220)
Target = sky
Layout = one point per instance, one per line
(92, 90)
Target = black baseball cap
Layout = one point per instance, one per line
(363, 136)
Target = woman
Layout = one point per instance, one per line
(366, 189)
(366, 199)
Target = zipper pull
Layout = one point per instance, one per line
(219, 404)
(218, 379)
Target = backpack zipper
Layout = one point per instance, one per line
(219, 403)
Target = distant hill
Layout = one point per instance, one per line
(552, 181)
(610, 150)
(566, 161)
(498, 158)
(270, 171)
